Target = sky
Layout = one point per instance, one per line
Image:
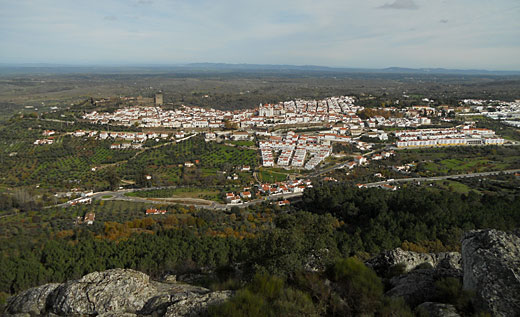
(460, 34)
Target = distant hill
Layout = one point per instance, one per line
(397, 70)
(224, 67)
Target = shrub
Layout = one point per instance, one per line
(267, 296)
(359, 286)
(396, 270)
(424, 266)
(449, 290)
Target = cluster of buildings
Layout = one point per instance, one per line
(154, 211)
(332, 109)
(46, 141)
(325, 111)
(294, 149)
(89, 219)
(461, 135)
(494, 109)
(278, 188)
(294, 112)
(134, 140)
(155, 117)
(126, 139)
(362, 160)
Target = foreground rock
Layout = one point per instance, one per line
(491, 262)
(410, 260)
(115, 292)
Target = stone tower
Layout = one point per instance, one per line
(158, 99)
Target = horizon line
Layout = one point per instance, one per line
(188, 64)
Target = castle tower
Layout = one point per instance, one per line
(158, 99)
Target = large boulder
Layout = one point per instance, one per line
(32, 301)
(410, 260)
(412, 275)
(112, 293)
(102, 292)
(491, 263)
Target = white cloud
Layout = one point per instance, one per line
(400, 5)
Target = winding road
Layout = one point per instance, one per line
(209, 204)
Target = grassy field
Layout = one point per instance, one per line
(454, 186)
(272, 175)
(445, 161)
(466, 165)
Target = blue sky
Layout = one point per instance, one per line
(464, 34)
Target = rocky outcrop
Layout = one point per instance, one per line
(410, 260)
(115, 292)
(94, 293)
(431, 309)
(32, 301)
(412, 275)
(491, 262)
(490, 269)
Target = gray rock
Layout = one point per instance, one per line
(195, 305)
(32, 301)
(418, 286)
(415, 287)
(117, 315)
(115, 290)
(170, 278)
(410, 260)
(491, 261)
(114, 293)
(437, 310)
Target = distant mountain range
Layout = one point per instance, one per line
(223, 67)
(397, 70)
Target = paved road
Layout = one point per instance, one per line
(209, 204)
(420, 179)
(203, 203)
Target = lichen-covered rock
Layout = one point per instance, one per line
(32, 301)
(114, 293)
(115, 290)
(491, 262)
(195, 305)
(437, 310)
(410, 260)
